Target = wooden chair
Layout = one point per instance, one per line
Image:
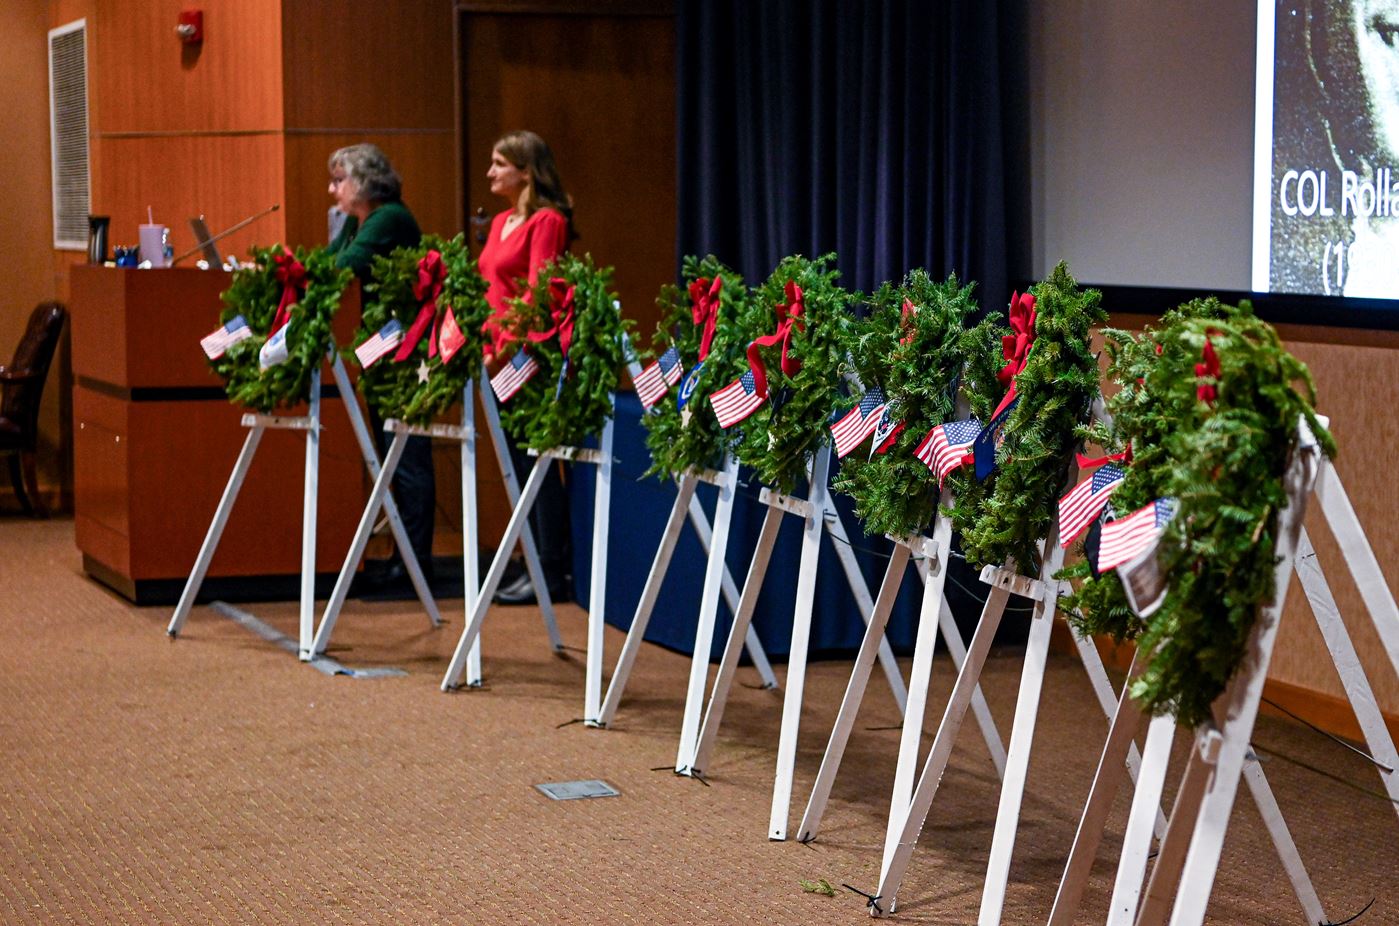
(21, 388)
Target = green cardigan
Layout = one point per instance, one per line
(389, 226)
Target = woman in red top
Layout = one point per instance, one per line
(536, 229)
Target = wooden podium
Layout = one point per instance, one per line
(154, 436)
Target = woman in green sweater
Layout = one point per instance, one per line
(369, 191)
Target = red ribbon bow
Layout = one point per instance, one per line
(1015, 347)
(427, 289)
(561, 309)
(1207, 392)
(906, 320)
(704, 299)
(292, 275)
(1095, 462)
(789, 314)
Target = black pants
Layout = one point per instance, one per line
(414, 491)
(549, 520)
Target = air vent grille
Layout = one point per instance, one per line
(68, 131)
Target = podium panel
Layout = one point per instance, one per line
(154, 439)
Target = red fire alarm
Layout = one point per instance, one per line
(191, 27)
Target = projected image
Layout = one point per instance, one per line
(1326, 211)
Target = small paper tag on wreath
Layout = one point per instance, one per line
(574, 330)
(292, 298)
(421, 341)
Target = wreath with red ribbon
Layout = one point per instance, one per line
(299, 292)
(438, 298)
(709, 323)
(572, 326)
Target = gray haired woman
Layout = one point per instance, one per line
(369, 191)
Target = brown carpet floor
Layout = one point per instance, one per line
(216, 780)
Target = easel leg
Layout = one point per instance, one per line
(952, 636)
(636, 633)
(1136, 842)
(1348, 667)
(1126, 721)
(215, 532)
(371, 463)
(1170, 856)
(895, 864)
(1022, 734)
(840, 540)
(308, 522)
(754, 647)
(512, 491)
(494, 574)
(357, 545)
(801, 639)
(709, 605)
(854, 694)
(693, 758)
(470, 528)
(597, 586)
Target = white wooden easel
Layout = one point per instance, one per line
(934, 615)
(597, 590)
(311, 424)
(465, 434)
(1189, 854)
(692, 757)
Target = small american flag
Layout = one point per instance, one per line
(947, 446)
(736, 401)
(383, 341)
(225, 337)
(858, 423)
(1084, 502)
(655, 381)
(513, 375)
(1127, 537)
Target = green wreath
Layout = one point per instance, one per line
(915, 357)
(777, 444)
(543, 413)
(255, 294)
(400, 389)
(1005, 517)
(691, 438)
(1219, 444)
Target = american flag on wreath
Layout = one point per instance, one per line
(655, 381)
(225, 336)
(948, 446)
(513, 375)
(858, 423)
(1126, 538)
(737, 400)
(1085, 501)
(383, 341)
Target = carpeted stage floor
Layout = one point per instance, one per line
(217, 780)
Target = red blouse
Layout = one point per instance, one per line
(509, 266)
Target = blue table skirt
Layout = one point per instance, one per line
(639, 511)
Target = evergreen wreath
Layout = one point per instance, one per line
(394, 388)
(1142, 419)
(912, 346)
(1226, 429)
(550, 411)
(1004, 517)
(692, 439)
(257, 294)
(779, 437)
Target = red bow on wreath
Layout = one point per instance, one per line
(1206, 392)
(292, 275)
(561, 310)
(906, 320)
(1094, 462)
(789, 315)
(704, 298)
(1015, 347)
(427, 289)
